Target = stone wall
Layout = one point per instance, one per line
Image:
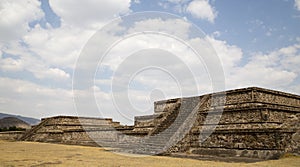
(12, 135)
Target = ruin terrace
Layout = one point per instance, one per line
(243, 124)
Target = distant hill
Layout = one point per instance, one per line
(8, 122)
(31, 121)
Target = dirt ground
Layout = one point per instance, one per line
(45, 154)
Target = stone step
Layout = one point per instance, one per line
(216, 158)
(144, 151)
(224, 152)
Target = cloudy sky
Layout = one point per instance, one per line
(257, 43)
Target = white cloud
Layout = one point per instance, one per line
(176, 27)
(277, 69)
(262, 76)
(24, 60)
(137, 1)
(202, 9)
(297, 4)
(89, 13)
(15, 16)
(58, 47)
(290, 50)
(9, 64)
(52, 73)
(182, 56)
(290, 58)
(229, 55)
(29, 99)
(216, 34)
(272, 70)
(177, 1)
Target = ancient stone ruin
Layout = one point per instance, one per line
(250, 123)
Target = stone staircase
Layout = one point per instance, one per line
(33, 130)
(167, 119)
(163, 137)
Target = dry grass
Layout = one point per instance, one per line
(44, 154)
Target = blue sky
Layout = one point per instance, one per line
(257, 42)
(246, 23)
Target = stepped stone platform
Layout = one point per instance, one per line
(243, 124)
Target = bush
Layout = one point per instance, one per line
(12, 128)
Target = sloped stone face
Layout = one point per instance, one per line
(246, 123)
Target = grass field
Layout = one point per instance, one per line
(45, 154)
